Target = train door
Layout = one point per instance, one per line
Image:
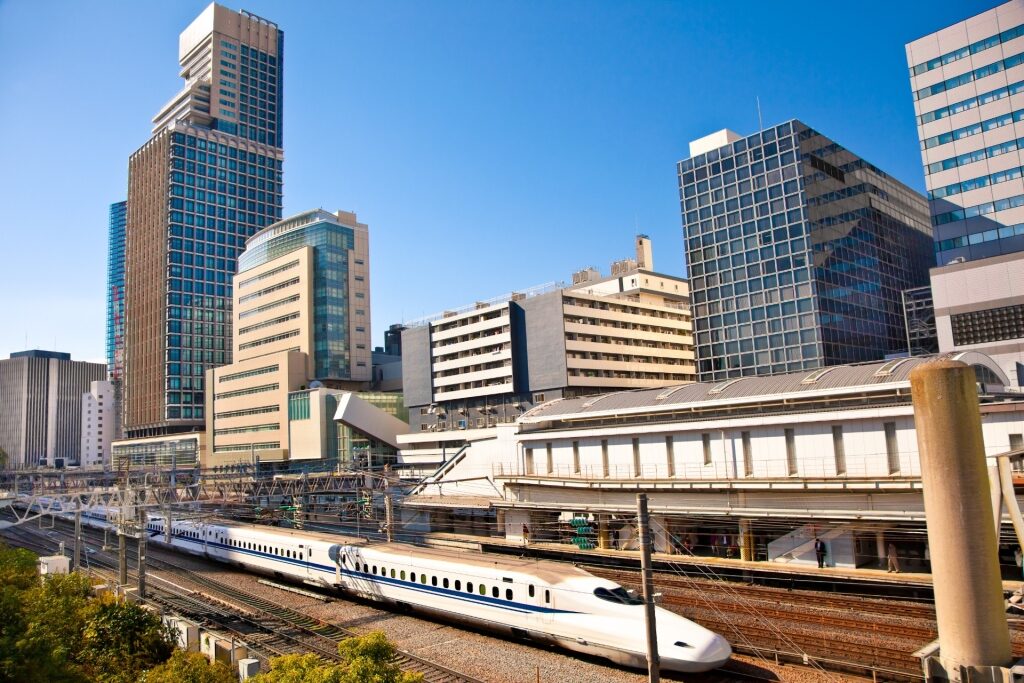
(540, 597)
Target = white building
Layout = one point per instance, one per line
(768, 462)
(99, 422)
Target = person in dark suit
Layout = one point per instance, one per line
(819, 551)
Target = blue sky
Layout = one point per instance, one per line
(489, 145)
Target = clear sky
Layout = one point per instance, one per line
(489, 145)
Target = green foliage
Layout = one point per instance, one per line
(18, 568)
(189, 667)
(121, 640)
(365, 659)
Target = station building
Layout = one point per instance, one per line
(753, 467)
(467, 371)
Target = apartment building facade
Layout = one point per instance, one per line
(99, 425)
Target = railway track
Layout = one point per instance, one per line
(268, 628)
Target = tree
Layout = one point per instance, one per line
(370, 659)
(18, 568)
(189, 667)
(121, 640)
(365, 659)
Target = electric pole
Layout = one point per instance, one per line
(142, 560)
(122, 555)
(77, 563)
(653, 663)
(389, 513)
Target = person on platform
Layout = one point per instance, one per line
(819, 551)
(894, 562)
(526, 535)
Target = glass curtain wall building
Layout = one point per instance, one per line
(209, 178)
(115, 289)
(798, 252)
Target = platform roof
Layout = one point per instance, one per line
(874, 377)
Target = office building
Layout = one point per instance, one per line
(209, 178)
(798, 252)
(41, 407)
(115, 308)
(301, 317)
(99, 423)
(490, 362)
(968, 89)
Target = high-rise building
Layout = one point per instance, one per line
(208, 179)
(798, 251)
(115, 310)
(41, 407)
(968, 88)
(99, 421)
(301, 314)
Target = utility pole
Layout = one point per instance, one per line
(389, 513)
(653, 663)
(122, 555)
(77, 563)
(142, 561)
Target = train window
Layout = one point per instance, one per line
(494, 592)
(374, 569)
(392, 573)
(508, 593)
(444, 582)
(412, 577)
(483, 589)
(531, 590)
(433, 580)
(469, 586)
(458, 585)
(423, 579)
(547, 595)
(617, 594)
(403, 575)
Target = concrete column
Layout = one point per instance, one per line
(603, 538)
(746, 541)
(880, 548)
(961, 532)
(659, 534)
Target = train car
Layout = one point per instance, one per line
(536, 600)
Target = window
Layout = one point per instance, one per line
(748, 455)
(892, 448)
(412, 577)
(670, 456)
(469, 586)
(604, 457)
(444, 582)
(392, 573)
(508, 593)
(576, 457)
(547, 595)
(531, 590)
(991, 325)
(705, 439)
(617, 595)
(839, 449)
(458, 585)
(433, 580)
(791, 463)
(403, 575)
(483, 589)
(636, 458)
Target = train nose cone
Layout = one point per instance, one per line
(716, 652)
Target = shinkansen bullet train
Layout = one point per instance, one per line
(540, 601)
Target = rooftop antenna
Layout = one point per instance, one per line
(760, 123)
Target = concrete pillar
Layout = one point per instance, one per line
(961, 533)
(745, 540)
(603, 538)
(880, 548)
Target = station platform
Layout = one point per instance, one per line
(867, 581)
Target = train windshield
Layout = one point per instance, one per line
(619, 595)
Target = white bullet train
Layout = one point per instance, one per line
(536, 600)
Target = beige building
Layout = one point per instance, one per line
(487, 364)
(301, 320)
(99, 424)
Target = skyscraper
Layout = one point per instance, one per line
(968, 88)
(798, 252)
(115, 313)
(208, 178)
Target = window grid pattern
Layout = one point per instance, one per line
(990, 325)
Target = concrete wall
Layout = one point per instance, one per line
(416, 376)
(542, 340)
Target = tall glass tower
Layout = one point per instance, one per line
(798, 252)
(208, 178)
(115, 289)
